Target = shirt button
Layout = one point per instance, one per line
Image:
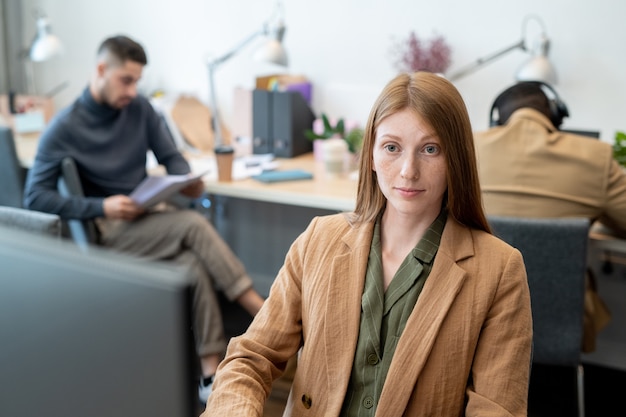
(306, 401)
(368, 402)
(372, 359)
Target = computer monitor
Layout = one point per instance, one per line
(594, 134)
(92, 334)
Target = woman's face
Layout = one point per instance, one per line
(410, 165)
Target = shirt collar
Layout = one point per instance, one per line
(427, 247)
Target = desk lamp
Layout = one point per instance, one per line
(537, 68)
(45, 45)
(272, 51)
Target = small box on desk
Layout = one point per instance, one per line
(279, 121)
(286, 82)
(29, 122)
(25, 113)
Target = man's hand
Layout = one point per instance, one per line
(193, 190)
(121, 207)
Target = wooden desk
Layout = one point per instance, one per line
(602, 238)
(338, 194)
(26, 143)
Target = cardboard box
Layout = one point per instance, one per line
(286, 82)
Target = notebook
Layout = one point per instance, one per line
(286, 175)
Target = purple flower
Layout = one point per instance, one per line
(412, 55)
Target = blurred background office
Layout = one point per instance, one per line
(343, 47)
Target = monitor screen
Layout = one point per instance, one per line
(594, 134)
(92, 334)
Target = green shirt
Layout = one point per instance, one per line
(384, 315)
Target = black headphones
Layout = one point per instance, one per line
(558, 109)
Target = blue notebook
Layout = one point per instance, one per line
(287, 175)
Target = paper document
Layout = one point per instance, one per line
(243, 166)
(154, 189)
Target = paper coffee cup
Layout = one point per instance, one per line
(224, 156)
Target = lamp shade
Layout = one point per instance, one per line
(272, 51)
(538, 67)
(46, 45)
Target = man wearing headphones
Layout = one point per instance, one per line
(529, 168)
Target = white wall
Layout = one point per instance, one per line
(343, 47)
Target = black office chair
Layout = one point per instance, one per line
(83, 232)
(555, 255)
(12, 173)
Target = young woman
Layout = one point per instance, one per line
(406, 307)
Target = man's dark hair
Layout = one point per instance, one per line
(123, 49)
(529, 94)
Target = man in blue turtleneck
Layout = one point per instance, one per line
(108, 130)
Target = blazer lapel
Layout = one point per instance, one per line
(420, 333)
(343, 309)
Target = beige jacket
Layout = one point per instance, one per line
(527, 168)
(465, 350)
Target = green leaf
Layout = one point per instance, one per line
(355, 139)
(311, 135)
(619, 148)
(327, 126)
(339, 128)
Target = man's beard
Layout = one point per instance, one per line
(119, 104)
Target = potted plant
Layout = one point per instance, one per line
(325, 128)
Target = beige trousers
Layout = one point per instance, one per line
(185, 236)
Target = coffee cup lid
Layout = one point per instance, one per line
(224, 149)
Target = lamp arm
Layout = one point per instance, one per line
(215, 117)
(212, 66)
(220, 60)
(484, 60)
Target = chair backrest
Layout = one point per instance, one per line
(12, 174)
(555, 255)
(30, 220)
(83, 232)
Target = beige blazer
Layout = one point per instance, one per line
(527, 168)
(465, 350)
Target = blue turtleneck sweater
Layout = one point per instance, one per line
(109, 146)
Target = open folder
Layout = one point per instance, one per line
(154, 189)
